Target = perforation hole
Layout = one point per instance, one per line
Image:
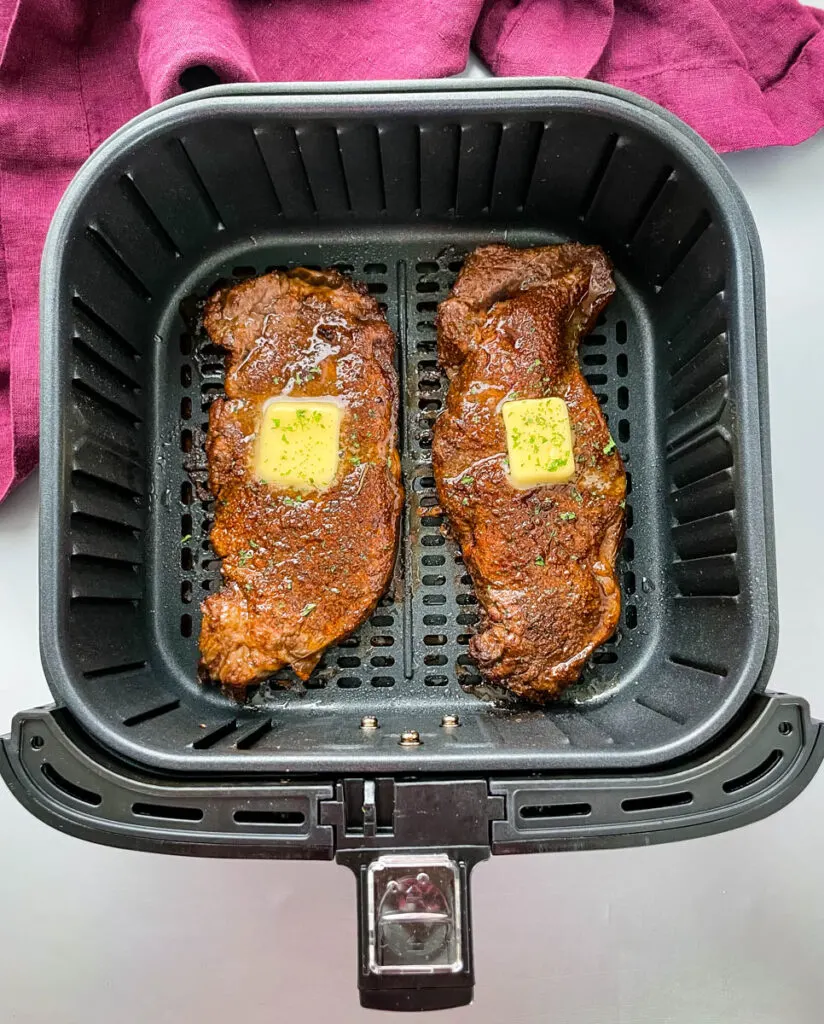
(349, 661)
(433, 581)
(382, 641)
(384, 681)
(435, 680)
(430, 560)
(631, 616)
(467, 619)
(434, 540)
(623, 430)
(186, 625)
(382, 620)
(434, 639)
(372, 268)
(434, 599)
(434, 620)
(382, 661)
(434, 660)
(186, 592)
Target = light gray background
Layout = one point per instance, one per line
(729, 928)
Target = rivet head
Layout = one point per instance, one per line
(369, 722)
(450, 721)
(410, 738)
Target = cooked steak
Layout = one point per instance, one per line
(542, 559)
(301, 568)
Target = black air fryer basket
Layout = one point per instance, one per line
(670, 732)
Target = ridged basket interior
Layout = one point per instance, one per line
(220, 189)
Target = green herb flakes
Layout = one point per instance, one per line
(306, 609)
(568, 516)
(609, 448)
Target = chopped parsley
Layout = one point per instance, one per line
(293, 502)
(244, 556)
(306, 609)
(609, 448)
(622, 503)
(467, 481)
(567, 515)
(539, 560)
(184, 539)
(576, 494)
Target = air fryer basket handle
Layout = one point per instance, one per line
(414, 928)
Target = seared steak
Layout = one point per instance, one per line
(542, 559)
(301, 569)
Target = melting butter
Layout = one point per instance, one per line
(539, 441)
(298, 443)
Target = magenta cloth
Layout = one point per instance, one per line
(742, 73)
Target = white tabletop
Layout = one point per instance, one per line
(728, 928)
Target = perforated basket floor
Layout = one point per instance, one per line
(395, 190)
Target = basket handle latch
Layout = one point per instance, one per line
(412, 847)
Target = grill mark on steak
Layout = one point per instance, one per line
(300, 571)
(542, 560)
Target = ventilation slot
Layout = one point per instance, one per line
(756, 774)
(167, 812)
(211, 738)
(698, 666)
(71, 789)
(118, 264)
(115, 670)
(255, 736)
(147, 716)
(532, 812)
(656, 803)
(269, 817)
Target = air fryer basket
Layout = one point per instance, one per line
(395, 187)
(395, 183)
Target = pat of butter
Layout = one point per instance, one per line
(539, 441)
(298, 443)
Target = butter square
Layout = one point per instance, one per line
(298, 444)
(539, 441)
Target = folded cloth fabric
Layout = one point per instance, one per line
(742, 74)
(71, 72)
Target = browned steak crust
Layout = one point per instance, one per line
(300, 571)
(542, 560)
